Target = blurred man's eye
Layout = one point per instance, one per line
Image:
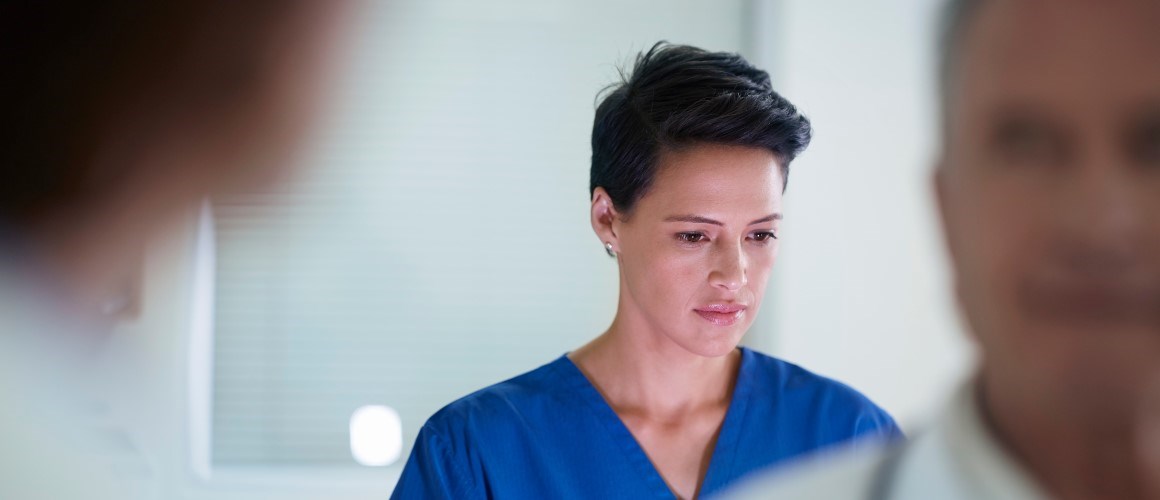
(1144, 141)
(1024, 141)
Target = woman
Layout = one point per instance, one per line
(689, 162)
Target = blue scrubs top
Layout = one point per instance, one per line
(549, 434)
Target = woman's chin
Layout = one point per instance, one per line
(713, 345)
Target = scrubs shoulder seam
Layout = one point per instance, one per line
(461, 471)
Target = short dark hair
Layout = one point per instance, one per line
(679, 95)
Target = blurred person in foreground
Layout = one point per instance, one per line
(1049, 190)
(690, 156)
(118, 117)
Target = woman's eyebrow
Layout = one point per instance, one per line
(697, 219)
(768, 218)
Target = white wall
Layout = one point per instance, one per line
(861, 292)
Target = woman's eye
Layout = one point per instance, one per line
(764, 236)
(690, 237)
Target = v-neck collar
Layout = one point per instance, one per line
(724, 451)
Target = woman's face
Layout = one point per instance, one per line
(696, 251)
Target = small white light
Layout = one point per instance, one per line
(376, 435)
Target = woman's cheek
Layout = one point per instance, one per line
(680, 273)
(761, 266)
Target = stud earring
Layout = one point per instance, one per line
(608, 248)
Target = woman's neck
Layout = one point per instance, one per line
(640, 370)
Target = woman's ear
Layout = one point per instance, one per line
(604, 218)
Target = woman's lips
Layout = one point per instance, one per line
(721, 314)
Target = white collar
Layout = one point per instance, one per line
(961, 458)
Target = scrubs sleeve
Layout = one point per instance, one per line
(435, 471)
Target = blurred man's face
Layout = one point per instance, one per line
(1051, 193)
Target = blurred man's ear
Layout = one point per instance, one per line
(939, 184)
(124, 301)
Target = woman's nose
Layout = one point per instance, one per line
(729, 270)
